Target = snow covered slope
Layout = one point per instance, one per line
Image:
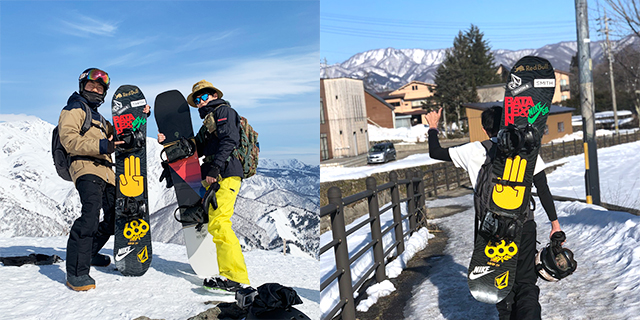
(169, 289)
(388, 69)
(280, 202)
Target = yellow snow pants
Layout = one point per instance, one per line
(230, 259)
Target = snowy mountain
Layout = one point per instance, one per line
(388, 69)
(280, 202)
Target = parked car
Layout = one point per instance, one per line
(381, 153)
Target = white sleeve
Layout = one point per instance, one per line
(540, 165)
(470, 157)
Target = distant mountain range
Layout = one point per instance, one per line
(280, 202)
(389, 69)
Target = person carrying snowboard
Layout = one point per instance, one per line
(216, 140)
(522, 301)
(93, 176)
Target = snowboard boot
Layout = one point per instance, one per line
(80, 283)
(220, 284)
(100, 260)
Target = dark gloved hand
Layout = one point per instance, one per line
(111, 146)
(166, 174)
(210, 197)
(214, 172)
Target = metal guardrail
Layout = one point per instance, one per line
(415, 200)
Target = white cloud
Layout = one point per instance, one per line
(85, 26)
(255, 82)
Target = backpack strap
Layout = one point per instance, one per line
(490, 148)
(85, 127)
(88, 123)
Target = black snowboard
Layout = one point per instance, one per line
(180, 158)
(528, 96)
(132, 250)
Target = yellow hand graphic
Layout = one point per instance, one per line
(507, 197)
(131, 182)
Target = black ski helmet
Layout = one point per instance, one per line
(554, 262)
(94, 74)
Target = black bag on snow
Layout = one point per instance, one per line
(274, 296)
(34, 258)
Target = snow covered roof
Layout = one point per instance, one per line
(486, 105)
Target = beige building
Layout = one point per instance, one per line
(409, 99)
(562, 92)
(343, 118)
(558, 122)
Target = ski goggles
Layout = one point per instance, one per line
(97, 74)
(203, 97)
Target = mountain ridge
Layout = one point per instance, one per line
(34, 201)
(389, 68)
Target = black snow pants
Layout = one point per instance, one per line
(522, 302)
(87, 236)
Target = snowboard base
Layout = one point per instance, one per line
(492, 270)
(201, 251)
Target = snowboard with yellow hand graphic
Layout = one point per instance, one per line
(132, 246)
(508, 177)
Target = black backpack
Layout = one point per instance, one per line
(61, 159)
(493, 225)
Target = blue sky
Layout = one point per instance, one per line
(350, 27)
(263, 55)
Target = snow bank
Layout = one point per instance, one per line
(417, 133)
(338, 173)
(374, 293)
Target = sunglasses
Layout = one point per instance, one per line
(96, 74)
(203, 97)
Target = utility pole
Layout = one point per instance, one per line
(592, 180)
(613, 86)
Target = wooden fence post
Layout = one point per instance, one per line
(376, 230)
(397, 214)
(334, 195)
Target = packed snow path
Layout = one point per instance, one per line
(605, 285)
(169, 289)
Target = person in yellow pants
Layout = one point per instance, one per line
(216, 141)
(230, 259)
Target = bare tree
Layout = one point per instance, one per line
(628, 11)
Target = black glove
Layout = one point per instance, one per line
(214, 172)
(210, 197)
(111, 146)
(166, 174)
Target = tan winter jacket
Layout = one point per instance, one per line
(91, 144)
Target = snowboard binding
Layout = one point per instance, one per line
(180, 149)
(553, 262)
(498, 227)
(131, 208)
(512, 140)
(132, 140)
(190, 215)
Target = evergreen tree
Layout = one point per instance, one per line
(467, 65)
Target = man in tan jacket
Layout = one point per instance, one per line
(92, 175)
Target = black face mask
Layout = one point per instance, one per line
(94, 99)
(204, 111)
